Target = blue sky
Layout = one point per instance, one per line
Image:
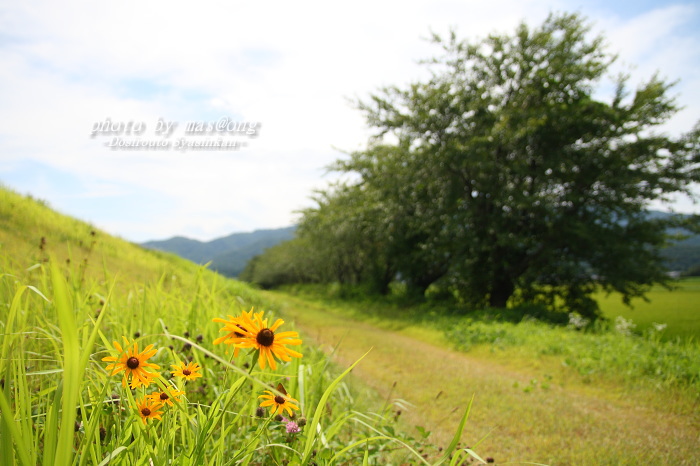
(290, 67)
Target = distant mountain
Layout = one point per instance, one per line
(683, 255)
(228, 255)
(680, 255)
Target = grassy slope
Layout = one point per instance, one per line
(26, 223)
(136, 292)
(571, 421)
(31, 233)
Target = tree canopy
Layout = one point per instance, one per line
(505, 179)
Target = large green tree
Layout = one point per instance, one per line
(507, 179)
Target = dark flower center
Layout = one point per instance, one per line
(265, 337)
(164, 396)
(279, 400)
(146, 412)
(132, 363)
(186, 372)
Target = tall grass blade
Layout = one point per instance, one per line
(11, 427)
(312, 427)
(9, 430)
(51, 428)
(455, 440)
(8, 337)
(112, 455)
(72, 372)
(393, 439)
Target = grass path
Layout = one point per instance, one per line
(564, 423)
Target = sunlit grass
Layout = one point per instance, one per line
(69, 291)
(60, 404)
(531, 381)
(30, 231)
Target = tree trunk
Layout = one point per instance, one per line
(502, 289)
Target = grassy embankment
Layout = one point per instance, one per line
(543, 393)
(68, 291)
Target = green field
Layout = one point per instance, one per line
(678, 308)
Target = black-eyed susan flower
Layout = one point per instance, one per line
(188, 371)
(133, 363)
(233, 329)
(167, 396)
(252, 331)
(279, 403)
(148, 409)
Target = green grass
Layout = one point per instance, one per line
(542, 392)
(60, 406)
(68, 291)
(30, 232)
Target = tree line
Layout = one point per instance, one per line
(503, 179)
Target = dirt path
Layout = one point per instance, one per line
(559, 425)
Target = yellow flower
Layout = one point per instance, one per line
(279, 403)
(188, 371)
(148, 409)
(133, 363)
(166, 397)
(234, 331)
(252, 331)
